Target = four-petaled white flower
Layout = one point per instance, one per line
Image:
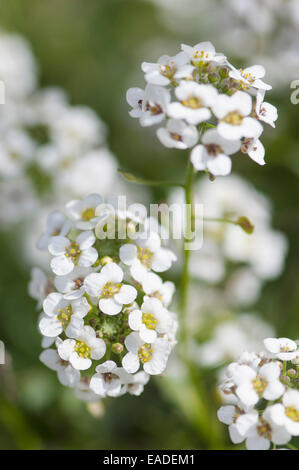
(252, 385)
(153, 356)
(72, 285)
(194, 102)
(67, 375)
(154, 105)
(212, 153)
(265, 111)
(68, 254)
(82, 349)
(108, 288)
(135, 97)
(147, 253)
(177, 134)
(233, 114)
(62, 315)
(287, 413)
(250, 77)
(136, 386)
(109, 379)
(82, 211)
(168, 69)
(152, 319)
(57, 224)
(282, 348)
(203, 52)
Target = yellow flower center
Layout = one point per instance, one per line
(259, 385)
(73, 251)
(110, 289)
(201, 55)
(234, 118)
(264, 429)
(82, 349)
(193, 102)
(149, 320)
(145, 353)
(88, 214)
(145, 256)
(168, 71)
(292, 413)
(64, 315)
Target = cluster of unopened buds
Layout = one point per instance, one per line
(265, 391)
(206, 104)
(105, 323)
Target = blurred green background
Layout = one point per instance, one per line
(93, 49)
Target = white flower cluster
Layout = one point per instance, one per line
(266, 397)
(198, 89)
(106, 309)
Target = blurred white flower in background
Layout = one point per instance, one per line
(256, 257)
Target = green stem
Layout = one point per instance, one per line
(186, 253)
(290, 446)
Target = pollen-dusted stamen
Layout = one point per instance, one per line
(110, 289)
(237, 414)
(82, 349)
(259, 384)
(193, 102)
(149, 320)
(108, 377)
(264, 429)
(292, 413)
(88, 214)
(145, 353)
(64, 315)
(168, 71)
(234, 118)
(79, 283)
(246, 143)
(73, 251)
(214, 149)
(155, 108)
(145, 256)
(176, 136)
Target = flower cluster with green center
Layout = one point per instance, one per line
(263, 393)
(198, 94)
(105, 322)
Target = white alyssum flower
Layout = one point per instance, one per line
(107, 286)
(146, 254)
(153, 356)
(254, 149)
(178, 134)
(203, 52)
(67, 375)
(135, 97)
(67, 254)
(151, 320)
(72, 285)
(287, 413)
(212, 153)
(57, 224)
(62, 315)
(109, 379)
(265, 111)
(154, 105)
(238, 420)
(136, 385)
(194, 102)
(167, 69)
(233, 113)
(251, 77)
(284, 349)
(82, 211)
(81, 350)
(251, 385)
